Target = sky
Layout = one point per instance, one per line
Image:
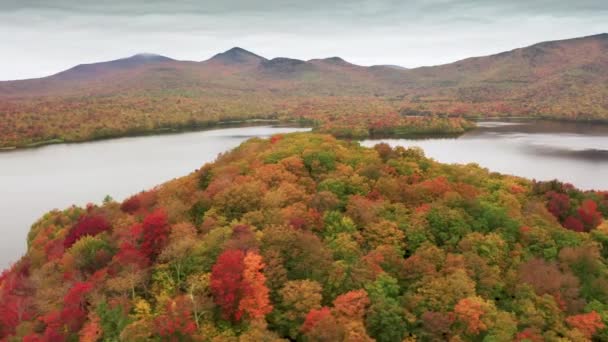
(42, 37)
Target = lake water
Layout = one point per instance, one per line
(35, 181)
(572, 152)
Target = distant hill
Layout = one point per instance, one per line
(565, 79)
(237, 55)
(98, 69)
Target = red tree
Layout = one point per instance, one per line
(352, 304)
(60, 324)
(589, 215)
(177, 321)
(227, 283)
(558, 205)
(314, 317)
(588, 323)
(574, 224)
(155, 233)
(529, 335)
(74, 311)
(131, 204)
(238, 285)
(129, 255)
(15, 298)
(87, 225)
(276, 138)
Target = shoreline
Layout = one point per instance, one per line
(204, 126)
(537, 118)
(159, 132)
(237, 123)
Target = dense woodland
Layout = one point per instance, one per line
(149, 94)
(305, 237)
(39, 122)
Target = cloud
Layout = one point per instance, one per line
(362, 7)
(42, 37)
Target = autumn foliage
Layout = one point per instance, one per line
(560, 79)
(87, 225)
(155, 233)
(239, 285)
(470, 312)
(314, 317)
(588, 323)
(576, 211)
(177, 321)
(309, 238)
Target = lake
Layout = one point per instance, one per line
(543, 150)
(38, 180)
(35, 181)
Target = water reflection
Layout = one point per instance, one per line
(543, 150)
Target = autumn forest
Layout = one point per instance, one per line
(147, 94)
(306, 237)
(324, 235)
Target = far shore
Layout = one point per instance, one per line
(203, 126)
(159, 131)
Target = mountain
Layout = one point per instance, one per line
(535, 63)
(91, 79)
(236, 55)
(566, 79)
(99, 69)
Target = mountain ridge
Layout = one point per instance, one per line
(564, 79)
(93, 69)
(238, 52)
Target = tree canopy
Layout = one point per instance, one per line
(306, 237)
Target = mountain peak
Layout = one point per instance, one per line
(239, 50)
(143, 58)
(147, 55)
(237, 55)
(335, 60)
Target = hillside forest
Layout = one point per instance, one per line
(146, 94)
(303, 237)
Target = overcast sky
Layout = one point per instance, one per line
(42, 37)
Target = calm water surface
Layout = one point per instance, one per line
(35, 181)
(38, 180)
(571, 152)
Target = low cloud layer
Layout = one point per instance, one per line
(40, 37)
